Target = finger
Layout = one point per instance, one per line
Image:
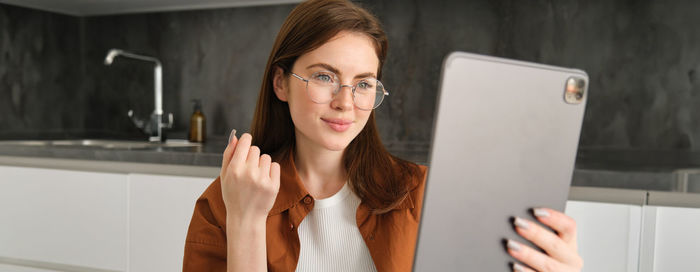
(547, 240)
(564, 225)
(230, 148)
(275, 174)
(241, 152)
(521, 268)
(265, 161)
(253, 157)
(533, 258)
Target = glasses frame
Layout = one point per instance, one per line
(340, 86)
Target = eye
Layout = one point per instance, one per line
(323, 77)
(364, 85)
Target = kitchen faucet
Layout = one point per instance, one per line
(155, 126)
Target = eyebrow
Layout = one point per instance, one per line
(337, 72)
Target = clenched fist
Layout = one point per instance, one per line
(249, 181)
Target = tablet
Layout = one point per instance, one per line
(504, 141)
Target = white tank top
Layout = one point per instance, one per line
(329, 237)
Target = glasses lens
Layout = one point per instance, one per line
(322, 87)
(369, 93)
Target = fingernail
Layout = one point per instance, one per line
(539, 212)
(230, 136)
(518, 268)
(513, 245)
(521, 223)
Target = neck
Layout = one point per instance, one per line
(320, 170)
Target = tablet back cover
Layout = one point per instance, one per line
(504, 141)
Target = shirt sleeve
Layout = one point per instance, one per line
(205, 245)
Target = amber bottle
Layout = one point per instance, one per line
(198, 128)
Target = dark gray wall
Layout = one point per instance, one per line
(40, 82)
(215, 55)
(641, 56)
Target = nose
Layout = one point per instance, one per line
(343, 100)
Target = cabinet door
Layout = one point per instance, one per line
(673, 240)
(608, 235)
(160, 209)
(63, 217)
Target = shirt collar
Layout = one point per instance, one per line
(291, 190)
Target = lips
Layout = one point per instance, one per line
(338, 125)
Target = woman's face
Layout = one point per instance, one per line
(332, 126)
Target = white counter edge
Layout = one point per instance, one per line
(112, 166)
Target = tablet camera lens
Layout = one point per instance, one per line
(573, 92)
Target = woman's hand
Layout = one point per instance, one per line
(249, 181)
(249, 185)
(560, 247)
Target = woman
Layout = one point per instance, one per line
(334, 199)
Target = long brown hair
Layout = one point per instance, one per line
(381, 180)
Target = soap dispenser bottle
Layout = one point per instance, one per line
(198, 127)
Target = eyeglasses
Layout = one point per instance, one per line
(322, 87)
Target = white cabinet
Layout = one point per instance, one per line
(672, 239)
(53, 219)
(63, 217)
(608, 235)
(17, 268)
(160, 209)
(79, 220)
(660, 233)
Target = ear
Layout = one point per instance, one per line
(279, 84)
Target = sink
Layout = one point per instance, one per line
(99, 143)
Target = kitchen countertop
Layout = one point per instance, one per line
(636, 177)
(656, 170)
(637, 160)
(577, 192)
(208, 154)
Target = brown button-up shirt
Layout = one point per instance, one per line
(390, 237)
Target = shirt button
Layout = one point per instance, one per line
(307, 200)
(291, 226)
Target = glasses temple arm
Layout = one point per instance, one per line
(297, 76)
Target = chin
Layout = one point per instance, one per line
(337, 146)
(337, 143)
